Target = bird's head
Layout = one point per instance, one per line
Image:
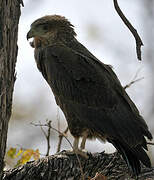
(51, 27)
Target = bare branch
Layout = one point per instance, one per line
(134, 80)
(47, 125)
(58, 119)
(150, 143)
(61, 138)
(47, 135)
(81, 169)
(64, 133)
(139, 42)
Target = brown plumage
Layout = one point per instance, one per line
(88, 91)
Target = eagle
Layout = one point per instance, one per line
(88, 92)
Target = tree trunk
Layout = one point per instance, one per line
(66, 167)
(9, 19)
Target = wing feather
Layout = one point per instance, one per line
(94, 93)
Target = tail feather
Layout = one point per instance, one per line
(133, 156)
(142, 156)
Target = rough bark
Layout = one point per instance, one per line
(9, 19)
(66, 167)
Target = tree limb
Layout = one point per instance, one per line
(139, 42)
(65, 166)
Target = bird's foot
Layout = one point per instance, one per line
(78, 152)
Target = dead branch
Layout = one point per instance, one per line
(150, 143)
(134, 80)
(47, 135)
(77, 156)
(61, 135)
(139, 42)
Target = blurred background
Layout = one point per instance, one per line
(101, 30)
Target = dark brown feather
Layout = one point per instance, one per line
(91, 96)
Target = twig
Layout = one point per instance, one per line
(47, 135)
(74, 152)
(60, 135)
(61, 138)
(107, 167)
(81, 169)
(58, 119)
(150, 143)
(139, 42)
(134, 80)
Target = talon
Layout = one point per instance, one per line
(78, 152)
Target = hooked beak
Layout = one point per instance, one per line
(30, 34)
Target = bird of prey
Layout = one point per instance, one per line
(88, 91)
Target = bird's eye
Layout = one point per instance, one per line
(45, 27)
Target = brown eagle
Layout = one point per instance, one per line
(88, 91)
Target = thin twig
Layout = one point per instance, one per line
(61, 138)
(47, 135)
(81, 169)
(150, 143)
(74, 152)
(134, 80)
(139, 42)
(58, 119)
(110, 163)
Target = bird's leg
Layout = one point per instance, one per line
(83, 142)
(76, 144)
(76, 148)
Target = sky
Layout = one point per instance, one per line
(101, 30)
